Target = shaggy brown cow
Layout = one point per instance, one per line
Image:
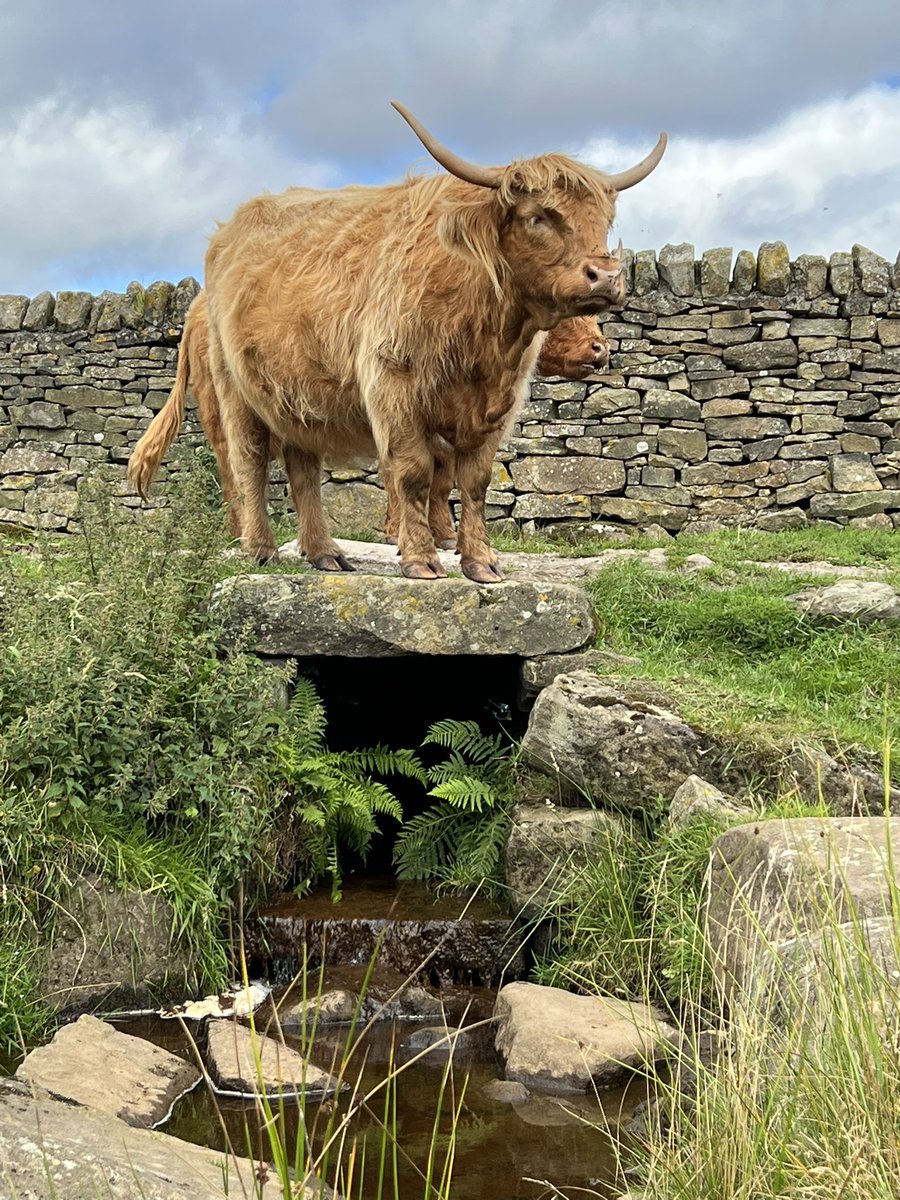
(572, 350)
(391, 320)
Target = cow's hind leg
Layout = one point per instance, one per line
(304, 472)
(478, 560)
(248, 455)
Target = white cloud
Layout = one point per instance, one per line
(823, 178)
(112, 194)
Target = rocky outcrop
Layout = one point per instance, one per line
(91, 1064)
(598, 743)
(112, 949)
(358, 616)
(555, 1041)
(773, 882)
(697, 798)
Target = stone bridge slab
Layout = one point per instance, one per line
(367, 616)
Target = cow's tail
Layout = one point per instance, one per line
(160, 433)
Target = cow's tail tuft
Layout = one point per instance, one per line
(160, 433)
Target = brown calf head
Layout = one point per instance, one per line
(540, 229)
(573, 349)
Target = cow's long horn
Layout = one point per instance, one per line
(470, 172)
(627, 179)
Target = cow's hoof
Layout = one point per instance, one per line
(423, 570)
(390, 539)
(481, 572)
(332, 563)
(263, 554)
(447, 543)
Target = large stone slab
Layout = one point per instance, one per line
(241, 1061)
(54, 1150)
(364, 616)
(597, 742)
(771, 882)
(552, 1040)
(92, 1064)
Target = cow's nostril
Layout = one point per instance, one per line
(597, 348)
(591, 275)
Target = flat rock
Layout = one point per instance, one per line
(360, 616)
(773, 881)
(862, 600)
(554, 1041)
(596, 742)
(233, 1050)
(92, 1064)
(505, 1091)
(338, 1006)
(52, 1149)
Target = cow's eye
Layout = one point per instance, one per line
(537, 220)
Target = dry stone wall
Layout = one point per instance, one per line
(745, 390)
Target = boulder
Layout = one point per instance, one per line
(549, 847)
(112, 948)
(770, 882)
(599, 743)
(92, 1064)
(554, 1041)
(505, 1091)
(247, 1063)
(697, 798)
(862, 600)
(366, 616)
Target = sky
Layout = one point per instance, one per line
(128, 129)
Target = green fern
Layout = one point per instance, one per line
(337, 802)
(459, 840)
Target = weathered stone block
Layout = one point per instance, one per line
(760, 356)
(12, 312)
(744, 278)
(833, 506)
(774, 268)
(578, 474)
(662, 405)
(646, 273)
(745, 428)
(676, 268)
(688, 444)
(73, 310)
(715, 272)
(873, 273)
(854, 473)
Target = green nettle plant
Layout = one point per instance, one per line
(334, 798)
(459, 839)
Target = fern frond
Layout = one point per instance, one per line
(466, 792)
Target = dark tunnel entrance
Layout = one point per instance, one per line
(394, 701)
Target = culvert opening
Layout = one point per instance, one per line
(394, 702)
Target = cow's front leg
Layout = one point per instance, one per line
(304, 472)
(439, 518)
(410, 467)
(473, 474)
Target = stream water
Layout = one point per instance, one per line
(467, 952)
